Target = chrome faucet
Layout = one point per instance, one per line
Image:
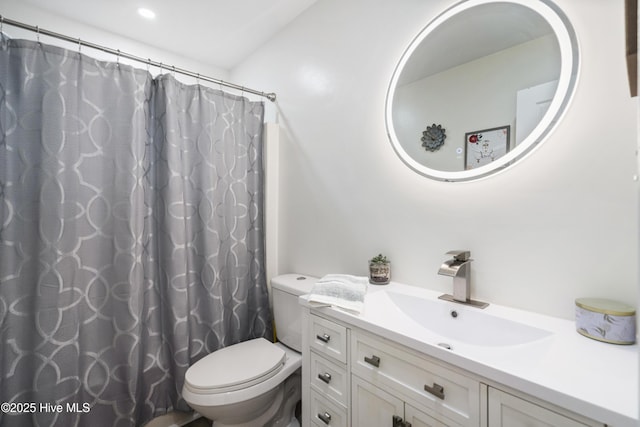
(459, 267)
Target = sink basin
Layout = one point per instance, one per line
(464, 324)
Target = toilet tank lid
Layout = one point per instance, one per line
(237, 365)
(295, 284)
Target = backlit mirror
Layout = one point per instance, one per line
(480, 87)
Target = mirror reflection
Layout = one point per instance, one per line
(472, 88)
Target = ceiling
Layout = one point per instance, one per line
(472, 34)
(216, 32)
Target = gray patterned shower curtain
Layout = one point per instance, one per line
(131, 236)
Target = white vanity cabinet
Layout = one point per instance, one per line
(354, 377)
(358, 379)
(374, 407)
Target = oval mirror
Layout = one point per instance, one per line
(480, 87)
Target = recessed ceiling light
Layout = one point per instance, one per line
(146, 13)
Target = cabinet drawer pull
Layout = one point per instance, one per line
(373, 360)
(399, 422)
(324, 337)
(325, 418)
(326, 377)
(436, 389)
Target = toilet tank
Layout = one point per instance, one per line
(287, 312)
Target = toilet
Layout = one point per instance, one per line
(255, 383)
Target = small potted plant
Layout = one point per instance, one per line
(379, 270)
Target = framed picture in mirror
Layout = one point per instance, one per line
(484, 146)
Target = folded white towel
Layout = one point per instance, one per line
(340, 290)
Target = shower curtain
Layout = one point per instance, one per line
(131, 236)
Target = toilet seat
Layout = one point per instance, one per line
(235, 367)
(293, 361)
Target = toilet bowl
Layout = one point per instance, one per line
(236, 387)
(254, 383)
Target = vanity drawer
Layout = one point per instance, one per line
(326, 413)
(329, 379)
(438, 390)
(328, 338)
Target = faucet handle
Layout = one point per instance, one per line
(460, 255)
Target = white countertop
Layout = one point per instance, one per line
(589, 377)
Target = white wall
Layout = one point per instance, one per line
(560, 225)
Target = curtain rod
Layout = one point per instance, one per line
(270, 96)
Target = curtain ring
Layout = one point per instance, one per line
(148, 64)
(220, 83)
(161, 68)
(174, 70)
(79, 44)
(118, 59)
(198, 79)
(37, 34)
(1, 23)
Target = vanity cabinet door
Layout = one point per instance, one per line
(418, 418)
(506, 410)
(372, 407)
